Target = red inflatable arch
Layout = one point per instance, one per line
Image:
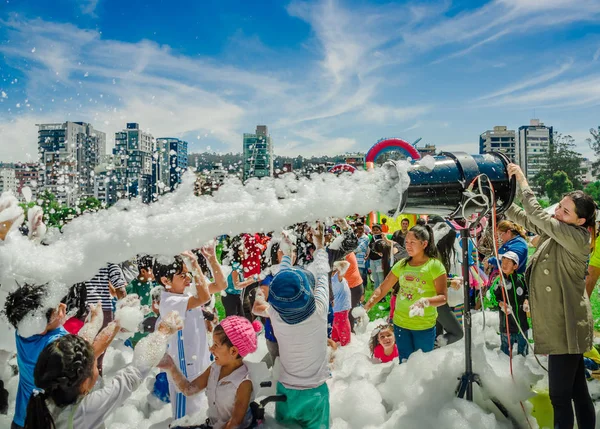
(387, 145)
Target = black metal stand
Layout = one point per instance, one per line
(465, 387)
(465, 384)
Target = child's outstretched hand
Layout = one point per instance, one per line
(505, 308)
(11, 214)
(286, 245)
(96, 311)
(418, 308)
(171, 324)
(208, 251)
(317, 234)
(166, 362)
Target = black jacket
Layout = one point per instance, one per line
(516, 294)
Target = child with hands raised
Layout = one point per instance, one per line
(189, 348)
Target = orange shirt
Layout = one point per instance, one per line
(353, 275)
(385, 228)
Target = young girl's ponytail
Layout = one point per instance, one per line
(38, 414)
(430, 250)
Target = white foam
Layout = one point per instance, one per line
(182, 221)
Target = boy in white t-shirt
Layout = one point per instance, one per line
(298, 306)
(189, 348)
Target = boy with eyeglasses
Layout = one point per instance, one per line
(189, 348)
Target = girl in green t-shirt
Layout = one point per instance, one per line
(422, 280)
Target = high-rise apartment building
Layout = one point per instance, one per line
(532, 145)
(28, 174)
(258, 153)
(172, 162)
(133, 154)
(8, 181)
(500, 139)
(69, 152)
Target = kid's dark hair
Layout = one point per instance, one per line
(145, 262)
(220, 332)
(375, 336)
(445, 244)
(25, 300)
(168, 270)
(585, 207)
(61, 369)
(424, 233)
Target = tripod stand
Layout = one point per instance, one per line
(465, 384)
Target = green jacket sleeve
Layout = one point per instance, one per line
(518, 215)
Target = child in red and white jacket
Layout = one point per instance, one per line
(342, 304)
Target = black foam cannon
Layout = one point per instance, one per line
(443, 190)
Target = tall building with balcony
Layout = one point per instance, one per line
(28, 174)
(133, 157)
(500, 139)
(532, 146)
(258, 153)
(171, 163)
(69, 153)
(8, 181)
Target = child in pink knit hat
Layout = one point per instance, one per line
(227, 379)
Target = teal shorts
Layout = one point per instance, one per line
(308, 408)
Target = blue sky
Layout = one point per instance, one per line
(325, 76)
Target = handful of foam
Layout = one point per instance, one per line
(129, 313)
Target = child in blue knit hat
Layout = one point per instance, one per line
(298, 306)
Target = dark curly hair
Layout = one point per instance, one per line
(23, 301)
(61, 369)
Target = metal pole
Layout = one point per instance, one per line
(464, 235)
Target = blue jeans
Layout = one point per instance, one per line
(377, 273)
(515, 338)
(409, 341)
(364, 275)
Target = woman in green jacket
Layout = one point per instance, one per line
(560, 310)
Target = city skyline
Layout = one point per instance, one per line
(327, 76)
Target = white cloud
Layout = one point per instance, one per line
(574, 92)
(354, 59)
(88, 7)
(528, 83)
(498, 19)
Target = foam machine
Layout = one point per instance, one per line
(463, 187)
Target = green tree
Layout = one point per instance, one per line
(543, 203)
(594, 142)
(89, 204)
(561, 156)
(558, 185)
(593, 190)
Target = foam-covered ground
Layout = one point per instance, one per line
(363, 394)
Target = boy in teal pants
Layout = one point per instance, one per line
(299, 318)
